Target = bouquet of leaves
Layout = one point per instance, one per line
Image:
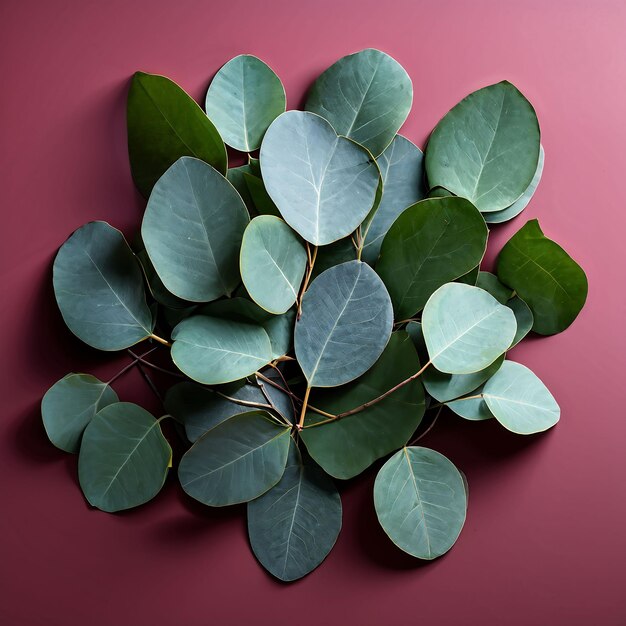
(314, 304)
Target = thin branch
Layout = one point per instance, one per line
(303, 411)
(258, 405)
(150, 382)
(136, 358)
(293, 405)
(269, 381)
(414, 441)
(161, 340)
(307, 277)
(153, 366)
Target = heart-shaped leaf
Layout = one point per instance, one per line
(402, 171)
(242, 101)
(551, 283)
(236, 461)
(215, 351)
(164, 124)
(192, 229)
(486, 148)
(431, 243)
(323, 185)
(497, 217)
(347, 446)
(365, 96)
(70, 404)
(466, 329)
(345, 325)
(520, 401)
(420, 501)
(99, 288)
(272, 263)
(294, 525)
(123, 458)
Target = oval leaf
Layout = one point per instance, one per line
(497, 217)
(365, 96)
(420, 501)
(236, 461)
(242, 101)
(523, 317)
(473, 407)
(402, 172)
(345, 325)
(294, 525)
(466, 329)
(520, 401)
(323, 185)
(551, 283)
(99, 288)
(70, 404)
(272, 263)
(123, 459)
(431, 243)
(486, 148)
(164, 124)
(347, 446)
(214, 351)
(192, 229)
(490, 283)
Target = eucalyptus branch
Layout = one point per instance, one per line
(269, 381)
(153, 365)
(160, 340)
(136, 359)
(150, 382)
(430, 427)
(307, 277)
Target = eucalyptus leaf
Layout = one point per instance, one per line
(347, 446)
(497, 217)
(124, 458)
(431, 243)
(420, 501)
(263, 204)
(523, 317)
(520, 401)
(281, 402)
(446, 387)
(199, 409)
(486, 148)
(272, 263)
(164, 124)
(294, 525)
(345, 324)
(214, 351)
(156, 286)
(236, 461)
(472, 407)
(242, 101)
(365, 96)
(402, 172)
(192, 229)
(99, 288)
(237, 178)
(490, 283)
(466, 329)
(471, 278)
(70, 404)
(323, 185)
(551, 283)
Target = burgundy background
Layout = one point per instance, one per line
(544, 542)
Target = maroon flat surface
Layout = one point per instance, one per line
(544, 543)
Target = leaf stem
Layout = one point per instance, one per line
(258, 405)
(307, 277)
(303, 411)
(150, 382)
(269, 381)
(430, 427)
(123, 371)
(153, 366)
(160, 340)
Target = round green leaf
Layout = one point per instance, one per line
(279, 328)
(199, 409)
(70, 404)
(466, 329)
(123, 459)
(490, 283)
(345, 324)
(164, 124)
(497, 217)
(431, 243)
(446, 387)
(323, 185)
(420, 501)
(99, 288)
(486, 148)
(214, 351)
(236, 461)
(347, 446)
(365, 96)
(551, 283)
(237, 178)
(473, 407)
(294, 525)
(520, 401)
(402, 172)
(192, 229)
(272, 263)
(242, 101)
(523, 317)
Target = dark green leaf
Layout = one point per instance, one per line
(490, 283)
(523, 316)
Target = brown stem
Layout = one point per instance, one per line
(161, 340)
(290, 396)
(123, 371)
(153, 366)
(150, 382)
(269, 381)
(303, 411)
(307, 277)
(430, 427)
(258, 405)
